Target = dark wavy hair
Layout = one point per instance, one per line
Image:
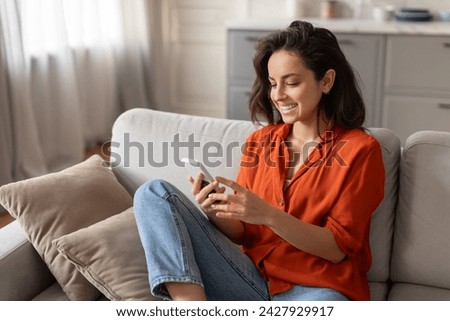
(320, 51)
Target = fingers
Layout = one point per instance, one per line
(223, 198)
(239, 198)
(196, 183)
(212, 198)
(201, 192)
(227, 207)
(232, 184)
(205, 191)
(229, 215)
(222, 180)
(229, 211)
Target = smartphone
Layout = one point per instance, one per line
(192, 165)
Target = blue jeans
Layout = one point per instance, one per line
(182, 245)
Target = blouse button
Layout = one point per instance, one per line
(281, 203)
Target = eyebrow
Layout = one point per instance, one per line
(287, 76)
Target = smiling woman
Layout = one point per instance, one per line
(294, 90)
(315, 52)
(303, 223)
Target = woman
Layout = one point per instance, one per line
(307, 186)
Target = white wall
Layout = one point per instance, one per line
(193, 56)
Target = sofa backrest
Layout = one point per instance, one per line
(382, 224)
(142, 136)
(421, 252)
(150, 144)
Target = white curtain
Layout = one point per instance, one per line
(20, 152)
(67, 70)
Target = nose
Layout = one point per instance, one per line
(278, 93)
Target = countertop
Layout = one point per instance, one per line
(434, 28)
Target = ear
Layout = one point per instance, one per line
(328, 81)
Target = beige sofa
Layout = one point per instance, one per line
(409, 232)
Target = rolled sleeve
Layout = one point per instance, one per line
(363, 190)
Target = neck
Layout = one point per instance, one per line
(308, 132)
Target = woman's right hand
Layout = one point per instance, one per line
(201, 193)
(234, 229)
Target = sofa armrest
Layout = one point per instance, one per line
(23, 274)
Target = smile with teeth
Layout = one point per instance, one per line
(287, 107)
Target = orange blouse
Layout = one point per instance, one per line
(338, 187)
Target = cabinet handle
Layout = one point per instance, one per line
(345, 42)
(446, 44)
(444, 106)
(251, 39)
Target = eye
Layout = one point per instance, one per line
(292, 84)
(272, 85)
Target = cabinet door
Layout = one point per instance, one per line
(241, 48)
(238, 103)
(365, 53)
(405, 115)
(418, 63)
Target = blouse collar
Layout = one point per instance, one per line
(330, 134)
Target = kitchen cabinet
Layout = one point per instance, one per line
(366, 55)
(418, 64)
(364, 52)
(240, 70)
(417, 84)
(406, 115)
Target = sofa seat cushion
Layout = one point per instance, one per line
(53, 293)
(378, 291)
(415, 292)
(23, 274)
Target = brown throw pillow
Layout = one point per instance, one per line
(110, 255)
(56, 204)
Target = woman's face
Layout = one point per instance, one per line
(295, 92)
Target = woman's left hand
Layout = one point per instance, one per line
(243, 205)
(250, 208)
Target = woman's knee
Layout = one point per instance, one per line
(158, 194)
(147, 194)
(154, 187)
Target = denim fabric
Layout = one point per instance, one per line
(182, 245)
(307, 293)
